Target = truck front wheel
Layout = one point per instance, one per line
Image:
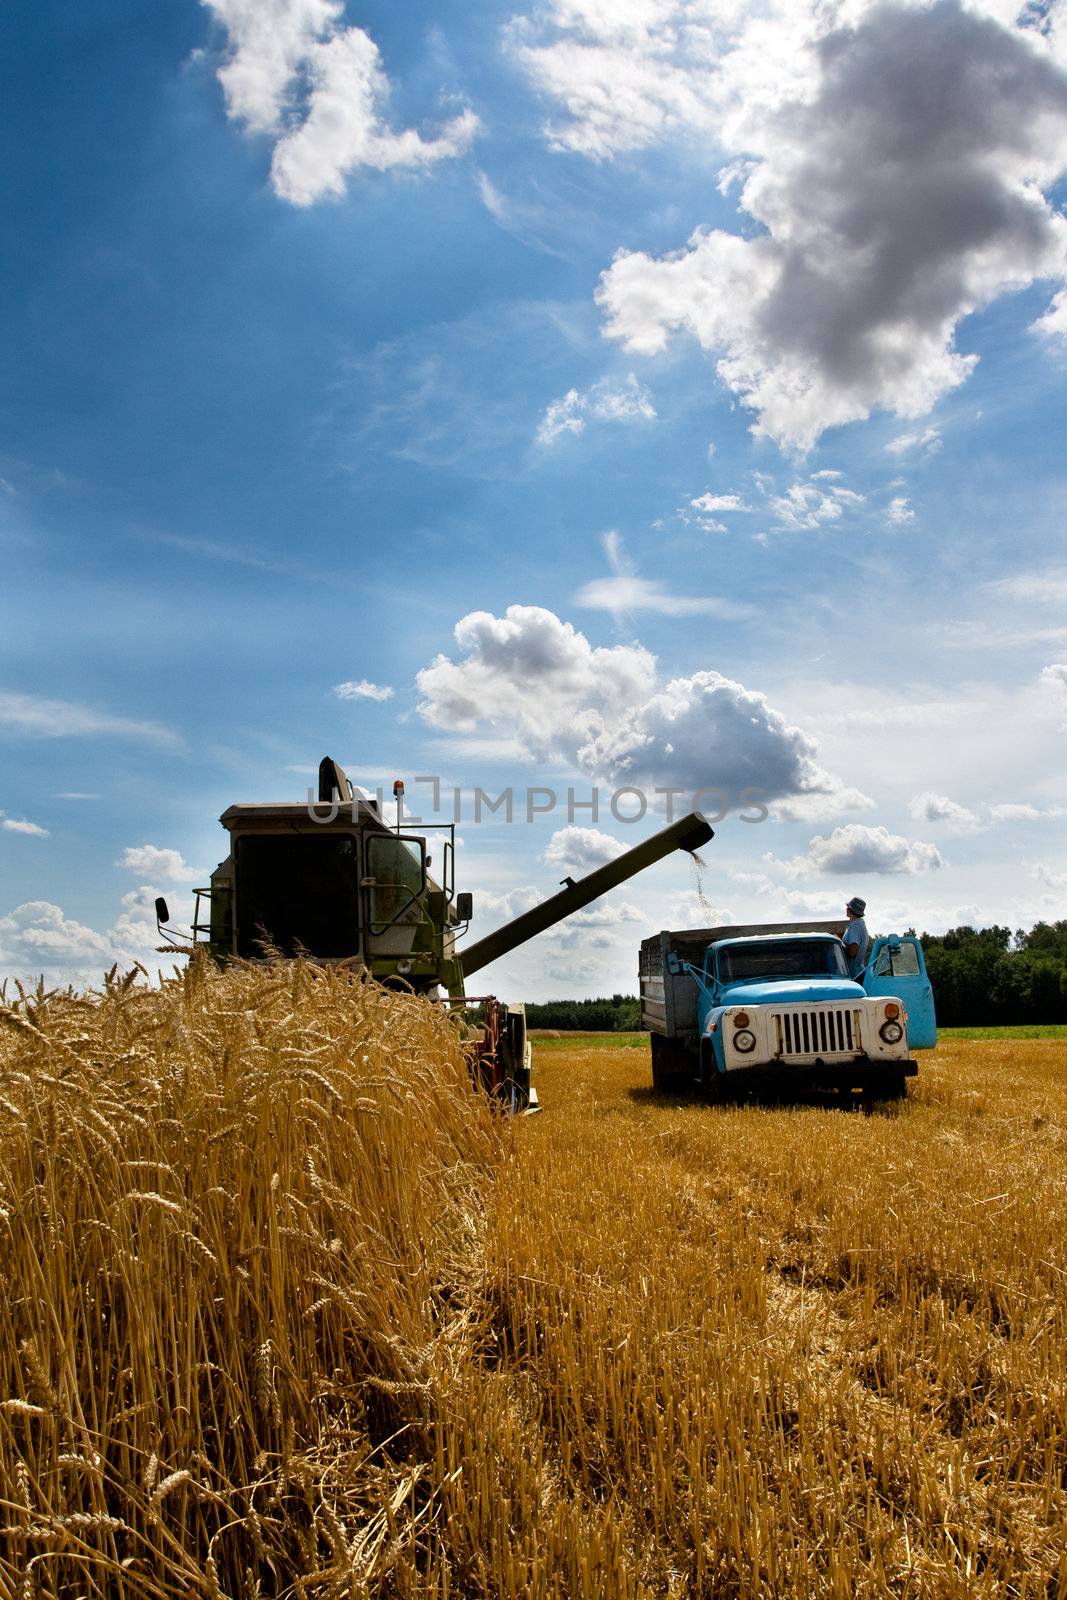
(671, 1067)
(887, 1086)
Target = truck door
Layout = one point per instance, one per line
(895, 966)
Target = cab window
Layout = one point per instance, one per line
(396, 876)
(897, 961)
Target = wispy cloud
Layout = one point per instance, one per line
(20, 825)
(808, 505)
(900, 510)
(626, 592)
(607, 401)
(923, 441)
(41, 718)
(521, 219)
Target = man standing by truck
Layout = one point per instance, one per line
(856, 939)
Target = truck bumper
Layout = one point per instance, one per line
(860, 1073)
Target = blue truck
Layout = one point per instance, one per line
(772, 1006)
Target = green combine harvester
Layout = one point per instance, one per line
(334, 882)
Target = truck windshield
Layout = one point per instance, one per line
(783, 958)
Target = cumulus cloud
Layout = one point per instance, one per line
(897, 158)
(709, 507)
(856, 849)
(362, 689)
(606, 710)
(38, 940)
(712, 504)
(607, 401)
(899, 510)
(575, 849)
(40, 718)
(319, 88)
(931, 807)
(166, 866)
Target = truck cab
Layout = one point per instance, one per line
(768, 1006)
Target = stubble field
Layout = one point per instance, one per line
(287, 1311)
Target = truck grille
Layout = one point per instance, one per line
(832, 1031)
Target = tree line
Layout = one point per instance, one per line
(982, 977)
(989, 977)
(619, 1014)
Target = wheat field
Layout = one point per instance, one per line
(288, 1310)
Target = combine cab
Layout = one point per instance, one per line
(331, 880)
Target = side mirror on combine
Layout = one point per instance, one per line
(465, 906)
(162, 910)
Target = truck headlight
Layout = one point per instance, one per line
(891, 1032)
(744, 1040)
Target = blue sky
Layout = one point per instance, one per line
(668, 392)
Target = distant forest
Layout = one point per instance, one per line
(992, 977)
(619, 1014)
(985, 977)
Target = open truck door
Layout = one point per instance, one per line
(895, 966)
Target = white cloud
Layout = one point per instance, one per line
(900, 510)
(807, 505)
(1043, 586)
(20, 825)
(1053, 325)
(1023, 811)
(580, 850)
(816, 808)
(714, 503)
(627, 72)
(931, 807)
(494, 910)
(534, 677)
(897, 158)
(691, 909)
(38, 940)
(607, 401)
(362, 689)
(857, 849)
(1054, 676)
(295, 73)
(925, 440)
(40, 718)
(167, 866)
(626, 592)
(596, 927)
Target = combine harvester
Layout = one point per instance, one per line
(336, 883)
